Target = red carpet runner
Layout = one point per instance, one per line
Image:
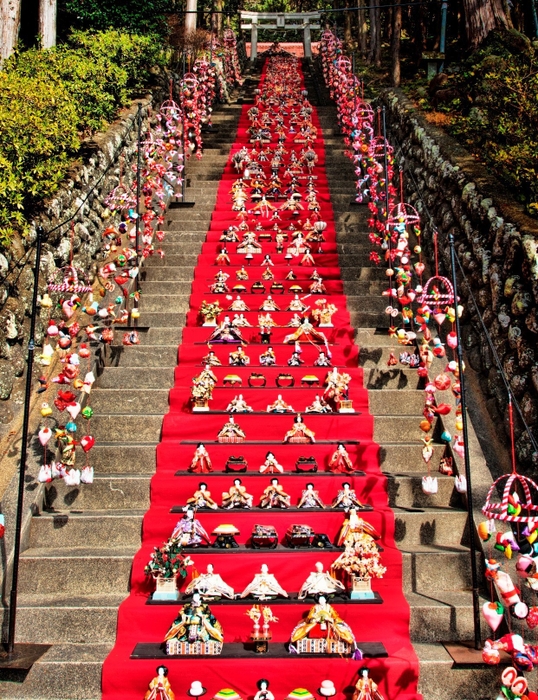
(388, 623)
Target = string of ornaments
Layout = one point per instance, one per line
(77, 313)
(415, 306)
(429, 308)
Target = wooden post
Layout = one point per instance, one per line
(254, 40)
(190, 17)
(307, 41)
(10, 21)
(47, 23)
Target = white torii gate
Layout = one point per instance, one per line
(280, 20)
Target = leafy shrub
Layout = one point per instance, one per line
(138, 17)
(137, 54)
(501, 126)
(51, 98)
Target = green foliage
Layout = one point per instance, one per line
(130, 15)
(500, 82)
(136, 54)
(51, 98)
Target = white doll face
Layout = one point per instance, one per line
(237, 482)
(265, 569)
(210, 568)
(322, 600)
(190, 514)
(319, 567)
(196, 599)
(274, 482)
(203, 487)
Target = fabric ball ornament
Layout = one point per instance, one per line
(525, 567)
(532, 618)
(493, 614)
(520, 610)
(442, 382)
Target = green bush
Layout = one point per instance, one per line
(501, 124)
(138, 17)
(49, 100)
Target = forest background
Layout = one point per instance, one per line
(68, 67)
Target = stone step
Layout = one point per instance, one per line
(119, 528)
(176, 303)
(158, 336)
(401, 458)
(428, 570)
(107, 492)
(124, 377)
(133, 458)
(132, 400)
(49, 619)
(142, 356)
(414, 526)
(436, 527)
(166, 272)
(372, 357)
(405, 491)
(65, 672)
(78, 571)
(439, 679)
(391, 378)
(447, 616)
(376, 338)
(130, 458)
(390, 401)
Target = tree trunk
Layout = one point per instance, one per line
(218, 18)
(10, 22)
(47, 23)
(374, 56)
(377, 52)
(362, 29)
(347, 27)
(481, 16)
(190, 17)
(396, 38)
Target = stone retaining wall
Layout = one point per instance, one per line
(80, 199)
(497, 245)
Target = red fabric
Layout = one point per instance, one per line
(388, 623)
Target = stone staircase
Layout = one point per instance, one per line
(75, 569)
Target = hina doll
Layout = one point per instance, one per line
(310, 498)
(210, 586)
(237, 496)
(264, 586)
(366, 688)
(340, 460)
(346, 498)
(195, 623)
(201, 498)
(271, 465)
(190, 532)
(321, 622)
(299, 431)
(274, 496)
(159, 687)
(320, 582)
(201, 462)
(231, 430)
